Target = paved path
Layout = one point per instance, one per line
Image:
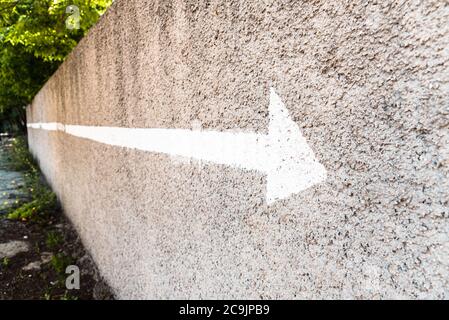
(11, 182)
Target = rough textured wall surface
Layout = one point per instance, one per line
(367, 83)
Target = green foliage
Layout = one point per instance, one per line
(60, 262)
(68, 296)
(35, 37)
(20, 157)
(43, 201)
(21, 77)
(39, 26)
(38, 209)
(5, 262)
(53, 240)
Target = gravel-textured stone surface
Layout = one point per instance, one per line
(11, 248)
(366, 81)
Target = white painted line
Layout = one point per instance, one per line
(49, 126)
(283, 155)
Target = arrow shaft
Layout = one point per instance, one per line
(283, 154)
(242, 150)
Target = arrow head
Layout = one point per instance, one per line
(293, 166)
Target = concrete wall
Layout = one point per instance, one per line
(366, 82)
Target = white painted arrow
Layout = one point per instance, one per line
(283, 155)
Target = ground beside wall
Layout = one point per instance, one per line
(367, 84)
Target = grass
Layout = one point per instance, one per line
(43, 201)
(20, 157)
(53, 239)
(5, 262)
(60, 262)
(66, 296)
